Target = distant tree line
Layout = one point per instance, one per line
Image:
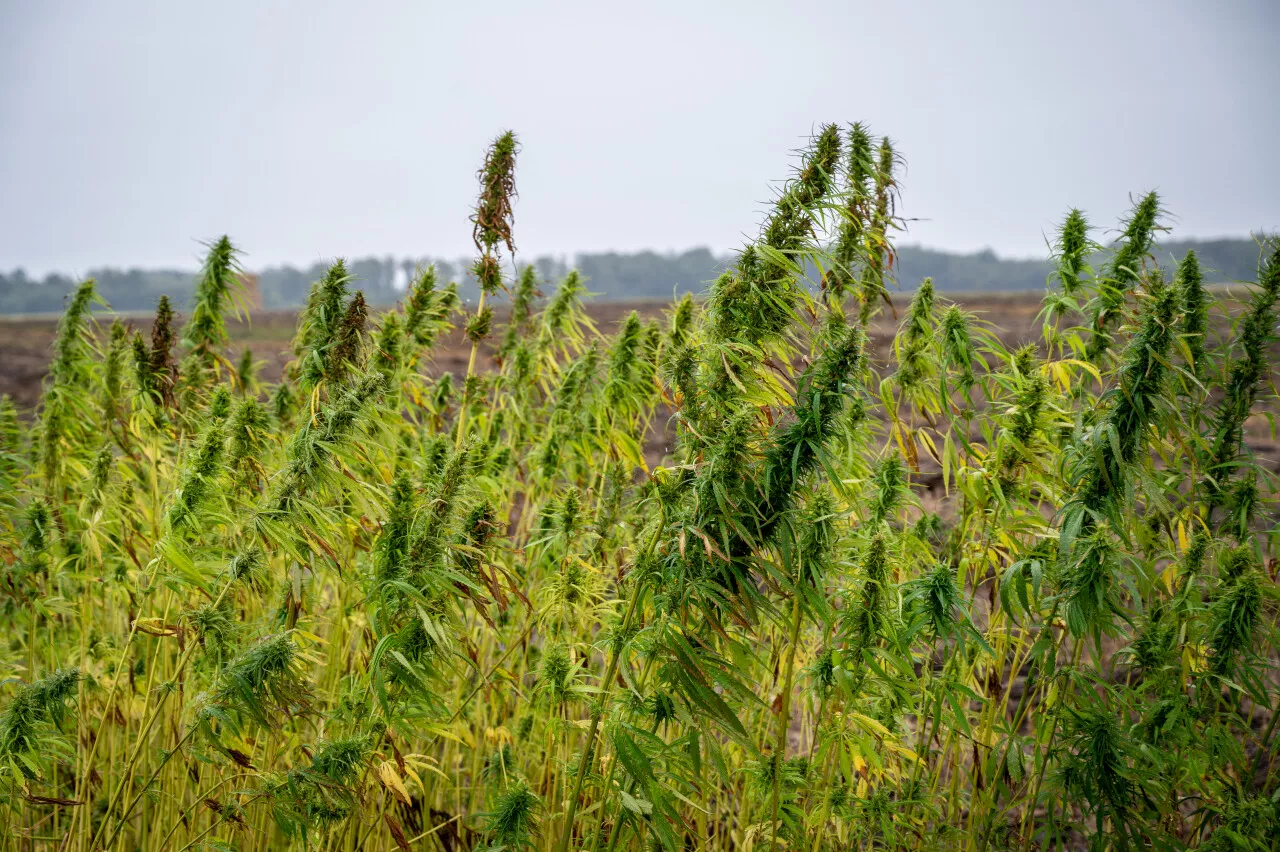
(611, 275)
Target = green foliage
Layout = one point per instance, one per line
(1248, 367)
(1121, 273)
(513, 822)
(217, 293)
(29, 724)
(1073, 249)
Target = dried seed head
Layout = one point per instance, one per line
(346, 351)
(479, 325)
(494, 215)
(488, 274)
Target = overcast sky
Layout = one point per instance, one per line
(130, 131)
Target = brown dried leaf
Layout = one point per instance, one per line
(397, 833)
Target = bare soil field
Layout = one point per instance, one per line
(25, 347)
(26, 341)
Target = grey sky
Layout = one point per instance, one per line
(131, 130)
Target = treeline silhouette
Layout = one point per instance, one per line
(640, 275)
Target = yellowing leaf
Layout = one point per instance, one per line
(391, 780)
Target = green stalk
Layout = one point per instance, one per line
(142, 739)
(611, 672)
(784, 719)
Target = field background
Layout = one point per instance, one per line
(26, 341)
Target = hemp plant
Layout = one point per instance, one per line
(770, 568)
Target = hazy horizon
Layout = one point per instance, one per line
(192, 266)
(131, 132)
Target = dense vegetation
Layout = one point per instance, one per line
(609, 275)
(366, 609)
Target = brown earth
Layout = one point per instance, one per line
(26, 342)
(25, 347)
